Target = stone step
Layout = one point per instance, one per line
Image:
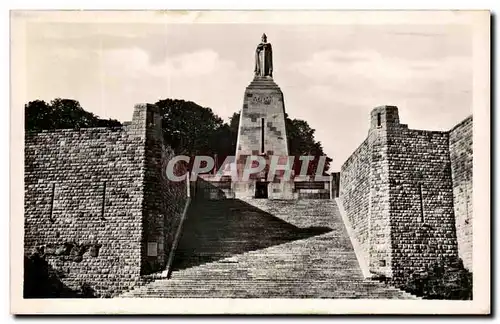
(266, 249)
(267, 289)
(263, 83)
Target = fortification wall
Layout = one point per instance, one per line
(398, 193)
(85, 187)
(164, 199)
(421, 199)
(379, 212)
(95, 197)
(355, 194)
(461, 171)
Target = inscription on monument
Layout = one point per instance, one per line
(266, 100)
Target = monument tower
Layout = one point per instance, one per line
(262, 133)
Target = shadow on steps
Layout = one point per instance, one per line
(218, 229)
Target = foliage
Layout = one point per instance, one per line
(61, 114)
(446, 278)
(43, 281)
(190, 129)
(301, 142)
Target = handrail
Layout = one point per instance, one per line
(175, 243)
(168, 268)
(358, 250)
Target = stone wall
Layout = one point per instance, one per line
(421, 199)
(397, 193)
(355, 194)
(164, 199)
(311, 189)
(92, 202)
(461, 171)
(212, 187)
(382, 119)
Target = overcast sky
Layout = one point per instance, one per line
(331, 75)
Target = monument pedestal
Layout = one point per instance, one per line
(262, 133)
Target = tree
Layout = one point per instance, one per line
(301, 142)
(189, 128)
(61, 114)
(234, 123)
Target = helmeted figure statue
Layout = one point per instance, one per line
(264, 58)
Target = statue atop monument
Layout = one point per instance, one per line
(264, 58)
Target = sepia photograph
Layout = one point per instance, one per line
(251, 162)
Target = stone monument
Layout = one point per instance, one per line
(262, 134)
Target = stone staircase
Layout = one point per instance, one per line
(263, 83)
(265, 249)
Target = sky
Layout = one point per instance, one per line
(332, 76)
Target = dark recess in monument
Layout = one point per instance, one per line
(261, 190)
